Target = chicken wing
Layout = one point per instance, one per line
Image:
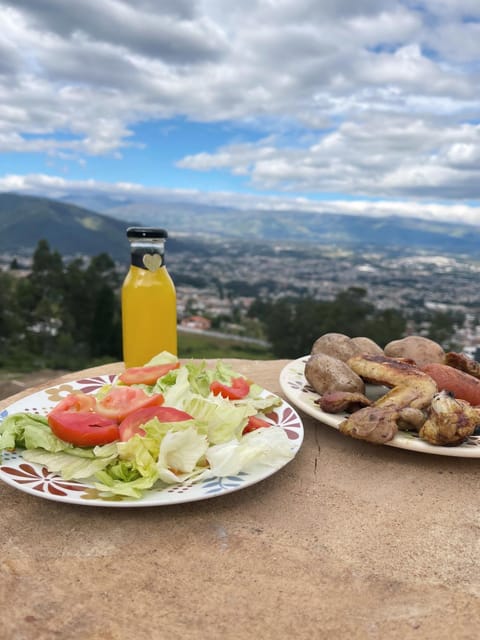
(338, 401)
(410, 387)
(449, 420)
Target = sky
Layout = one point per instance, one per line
(354, 106)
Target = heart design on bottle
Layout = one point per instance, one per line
(152, 261)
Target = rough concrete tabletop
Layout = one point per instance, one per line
(348, 541)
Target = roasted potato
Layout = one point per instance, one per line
(417, 348)
(326, 373)
(336, 345)
(368, 346)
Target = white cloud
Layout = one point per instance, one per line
(173, 32)
(385, 91)
(382, 155)
(58, 187)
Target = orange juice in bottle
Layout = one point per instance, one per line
(149, 304)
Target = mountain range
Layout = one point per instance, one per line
(24, 220)
(342, 230)
(73, 229)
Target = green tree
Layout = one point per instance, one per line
(39, 297)
(350, 312)
(60, 315)
(385, 325)
(10, 318)
(442, 324)
(77, 304)
(280, 329)
(293, 325)
(105, 330)
(92, 306)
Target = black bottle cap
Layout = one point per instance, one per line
(146, 232)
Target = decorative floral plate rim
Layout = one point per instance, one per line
(36, 480)
(297, 390)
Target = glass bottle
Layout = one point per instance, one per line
(149, 309)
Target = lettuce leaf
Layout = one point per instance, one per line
(141, 453)
(262, 404)
(268, 446)
(174, 387)
(180, 453)
(29, 431)
(70, 467)
(133, 488)
(219, 419)
(200, 377)
(165, 357)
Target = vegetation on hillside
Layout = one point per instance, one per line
(67, 315)
(69, 229)
(60, 315)
(204, 346)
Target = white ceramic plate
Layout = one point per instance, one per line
(300, 393)
(38, 481)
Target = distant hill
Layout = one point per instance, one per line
(73, 229)
(342, 230)
(24, 220)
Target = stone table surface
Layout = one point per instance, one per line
(349, 540)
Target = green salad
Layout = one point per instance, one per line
(167, 422)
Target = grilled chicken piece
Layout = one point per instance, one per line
(463, 362)
(338, 401)
(412, 388)
(411, 419)
(449, 420)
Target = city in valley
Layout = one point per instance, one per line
(230, 275)
(217, 280)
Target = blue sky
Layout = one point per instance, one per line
(361, 106)
(151, 159)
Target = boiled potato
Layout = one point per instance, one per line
(368, 346)
(336, 345)
(326, 373)
(417, 348)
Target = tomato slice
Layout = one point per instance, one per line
(146, 375)
(239, 388)
(76, 402)
(131, 425)
(120, 401)
(83, 428)
(255, 423)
